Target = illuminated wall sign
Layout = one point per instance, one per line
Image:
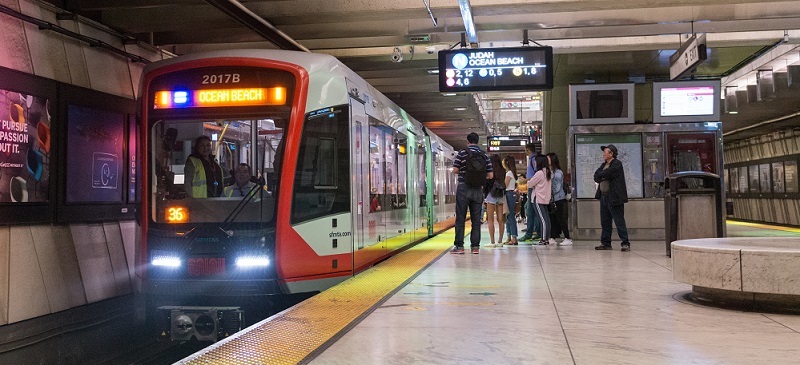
(507, 143)
(219, 98)
(496, 69)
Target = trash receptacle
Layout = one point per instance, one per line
(693, 206)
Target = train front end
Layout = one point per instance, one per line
(207, 256)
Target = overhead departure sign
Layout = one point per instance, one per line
(496, 69)
(507, 143)
(691, 54)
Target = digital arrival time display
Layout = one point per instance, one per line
(496, 69)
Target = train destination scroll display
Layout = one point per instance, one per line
(24, 148)
(588, 157)
(496, 69)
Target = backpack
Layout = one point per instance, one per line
(475, 169)
(498, 189)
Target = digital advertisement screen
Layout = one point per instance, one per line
(696, 100)
(496, 69)
(95, 166)
(24, 148)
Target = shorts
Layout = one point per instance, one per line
(492, 200)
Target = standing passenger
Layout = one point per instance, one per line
(533, 220)
(511, 198)
(495, 204)
(202, 174)
(541, 184)
(473, 168)
(613, 195)
(558, 218)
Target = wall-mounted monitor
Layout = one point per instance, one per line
(496, 69)
(592, 104)
(686, 101)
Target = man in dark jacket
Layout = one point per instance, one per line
(613, 195)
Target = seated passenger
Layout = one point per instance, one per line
(242, 185)
(202, 173)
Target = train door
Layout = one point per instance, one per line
(360, 198)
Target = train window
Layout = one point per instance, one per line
(188, 187)
(322, 175)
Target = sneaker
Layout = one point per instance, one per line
(626, 248)
(499, 245)
(566, 242)
(475, 251)
(489, 245)
(603, 247)
(540, 243)
(457, 250)
(552, 241)
(525, 238)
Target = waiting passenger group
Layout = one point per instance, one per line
(543, 190)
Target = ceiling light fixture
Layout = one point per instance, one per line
(460, 109)
(469, 23)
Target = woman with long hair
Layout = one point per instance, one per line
(558, 217)
(495, 205)
(542, 186)
(511, 198)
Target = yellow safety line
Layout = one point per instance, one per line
(763, 226)
(299, 333)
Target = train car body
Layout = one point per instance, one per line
(342, 179)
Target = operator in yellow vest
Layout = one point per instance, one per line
(243, 185)
(203, 175)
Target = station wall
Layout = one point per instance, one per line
(61, 260)
(761, 178)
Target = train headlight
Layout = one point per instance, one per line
(165, 259)
(252, 261)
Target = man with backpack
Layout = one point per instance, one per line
(473, 168)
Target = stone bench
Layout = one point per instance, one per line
(753, 271)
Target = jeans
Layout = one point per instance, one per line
(511, 221)
(534, 223)
(617, 214)
(468, 199)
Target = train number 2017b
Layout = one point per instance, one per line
(221, 79)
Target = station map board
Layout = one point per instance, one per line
(588, 157)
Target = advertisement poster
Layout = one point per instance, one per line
(24, 148)
(743, 179)
(790, 171)
(132, 163)
(763, 171)
(754, 184)
(95, 168)
(734, 172)
(777, 177)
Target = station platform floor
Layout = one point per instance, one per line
(542, 305)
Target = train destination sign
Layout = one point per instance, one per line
(496, 69)
(219, 97)
(507, 143)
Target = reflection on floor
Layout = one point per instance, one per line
(562, 305)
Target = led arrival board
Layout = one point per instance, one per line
(496, 69)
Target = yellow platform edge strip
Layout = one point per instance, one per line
(300, 333)
(762, 226)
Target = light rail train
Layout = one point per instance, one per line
(342, 178)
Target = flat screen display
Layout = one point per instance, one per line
(24, 148)
(496, 69)
(593, 104)
(686, 101)
(95, 165)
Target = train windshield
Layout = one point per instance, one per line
(221, 170)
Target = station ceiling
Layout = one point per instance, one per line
(602, 40)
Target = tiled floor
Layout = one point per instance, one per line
(560, 305)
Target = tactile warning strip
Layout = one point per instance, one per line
(763, 226)
(299, 333)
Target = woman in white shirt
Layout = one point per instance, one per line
(511, 198)
(541, 184)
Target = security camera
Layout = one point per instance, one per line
(397, 57)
